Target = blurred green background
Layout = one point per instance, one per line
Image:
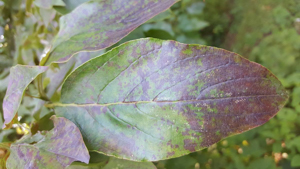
(264, 31)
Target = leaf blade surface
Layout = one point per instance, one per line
(149, 99)
(98, 24)
(58, 148)
(20, 77)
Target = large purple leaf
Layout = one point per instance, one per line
(55, 149)
(149, 99)
(20, 77)
(98, 24)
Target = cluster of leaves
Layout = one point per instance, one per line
(34, 24)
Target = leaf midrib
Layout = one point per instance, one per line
(52, 105)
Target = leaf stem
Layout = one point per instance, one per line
(42, 93)
(37, 97)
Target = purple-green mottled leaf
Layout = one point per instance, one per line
(20, 77)
(150, 99)
(98, 24)
(55, 149)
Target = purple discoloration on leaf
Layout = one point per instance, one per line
(56, 150)
(99, 24)
(20, 77)
(151, 99)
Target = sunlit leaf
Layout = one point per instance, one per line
(20, 77)
(150, 99)
(55, 149)
(98, 24)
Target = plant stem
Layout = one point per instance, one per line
(42, 93)
(37, 97)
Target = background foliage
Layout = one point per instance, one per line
(265, 31)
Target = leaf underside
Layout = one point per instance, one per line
(98, 24)
(56, 149)
(149, 99)
(20, 77)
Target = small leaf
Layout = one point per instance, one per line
(98, 24)
(56, 149)
(150, 99)
(20, 77)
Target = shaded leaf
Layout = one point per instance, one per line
(70, 5)
(99, 24)
(187, 24)
(125, 164)
(42, 124)
(162, 16)
(149, 99)
(20, 77)
(196, 8)
(263, 163)
(114, 163)
(186, 162)
(159, 25)
(97, 160)
(157, 33)
(55, 149)
(296, 161)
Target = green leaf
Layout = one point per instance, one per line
(47, 4)
(20, 77)
(187, 24)
(125, 164)
(186, 162)
(98, 24)
(114, 163)
(296, 161)
(162, 16)
(263, 163)
(97, 161)
(158, 33)
(196, 8)
(150, 99)
(55, 149)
